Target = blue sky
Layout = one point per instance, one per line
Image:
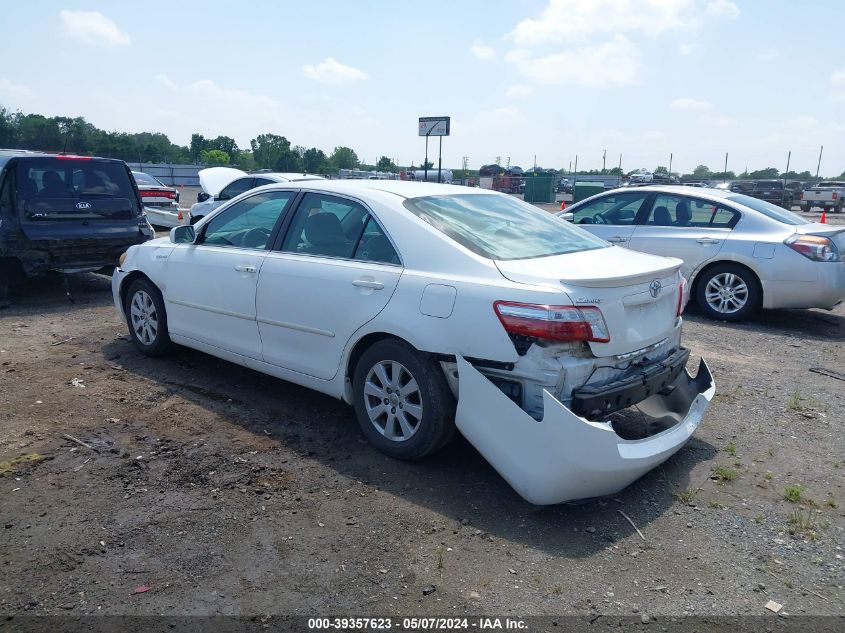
(555, 78)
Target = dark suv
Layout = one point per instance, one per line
(65, 213)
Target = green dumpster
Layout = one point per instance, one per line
(583, 190)
(539, 188)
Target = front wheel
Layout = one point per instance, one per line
(402, 401)
(728, 293)
(147, 318)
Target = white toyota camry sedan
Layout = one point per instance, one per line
(433, 307)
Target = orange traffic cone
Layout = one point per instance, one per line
(823, 219)
(563, 205)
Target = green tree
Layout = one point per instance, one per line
(426, 164)
(315, 161)
(767, 173)
(244, 160)
(385, 164)
(344, 158)
(660, 170)
(272, 151)
(214, 157)
(8, 132)
(702, 171)
(198, 145)
(224, 144)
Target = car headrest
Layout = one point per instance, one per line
(323, 229)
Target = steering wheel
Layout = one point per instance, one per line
(256, 238)
(598, 218)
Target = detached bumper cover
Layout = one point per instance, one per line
(566, 457)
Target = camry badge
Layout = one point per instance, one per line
(655, 287)
(82, 206)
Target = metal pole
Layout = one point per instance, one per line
(788, 157)
(575, 174)
(619, 176)
(440, 159)
(425, 164)
(603, 160)
(820, 161)
(670, 164)
(725, 173)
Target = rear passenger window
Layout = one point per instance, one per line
(374, 245)
(683, 212)
(336, 227)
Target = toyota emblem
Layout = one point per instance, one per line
(655, 287)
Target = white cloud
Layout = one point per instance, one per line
(721, 9)
(686, 49)
(563, 20)
(92, 27)
(837, 78)
(614, 63)
(166, 81)
(13, 92)
(481, 51)
(721, 121)
(767, 55)
(519, 91)
(690, 105)
(331, 71)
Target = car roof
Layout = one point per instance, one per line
(282, 176)
(698, 192)
(402, 188)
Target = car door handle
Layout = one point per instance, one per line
(707, 240)
(367, 283)
(246, 268)
(617, 239)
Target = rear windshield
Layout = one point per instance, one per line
(501, 227)
(830, 185)
(769, 184)
(79, 188)
(769, 210)
(145, 179)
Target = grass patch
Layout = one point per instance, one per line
(724, 473)
(731, 448)
(768, 476)
(793, 493)
(830, 502)
(794, 402)
(10, 466)
(684, 496)
(759, 518)
(715, 505)
(801, 523)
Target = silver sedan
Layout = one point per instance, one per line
(740, 254)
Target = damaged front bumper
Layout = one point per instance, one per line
(565, 457)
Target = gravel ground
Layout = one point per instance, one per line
(224, 491)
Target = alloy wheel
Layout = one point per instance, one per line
(726, 293)
(144, 317)
(393, 400)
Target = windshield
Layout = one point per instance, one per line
(769, 210)
(501, 227)
(145, 179)
(75, 188)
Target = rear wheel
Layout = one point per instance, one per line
(838, 207)
(402, 401)
(805, 208)
(147, 318)
(728, 293)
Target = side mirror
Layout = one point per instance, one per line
(202, 196)
(569, 217)
(183, 235)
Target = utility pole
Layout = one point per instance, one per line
(818, 167)
(670, 164)
(725, 173)
(603, 160)
(575, 173)
(619, 175)
(788, 157)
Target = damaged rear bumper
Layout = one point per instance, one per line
(565, 457)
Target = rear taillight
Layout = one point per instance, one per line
(152, 193)
(815, 247)
(683, 297)
(553, 323)
(835, 195)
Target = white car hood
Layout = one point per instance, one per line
(213, 179)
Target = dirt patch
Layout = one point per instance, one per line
(226, 491)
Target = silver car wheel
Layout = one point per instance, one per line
(726, 293)
(144, 317)
(393, 400)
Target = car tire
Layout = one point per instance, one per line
(727, 292)
(805, 208)
(402, 400)
(838, 207)
(147, 318)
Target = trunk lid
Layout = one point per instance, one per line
(213, 179)
(834, 232)
(636, 293)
